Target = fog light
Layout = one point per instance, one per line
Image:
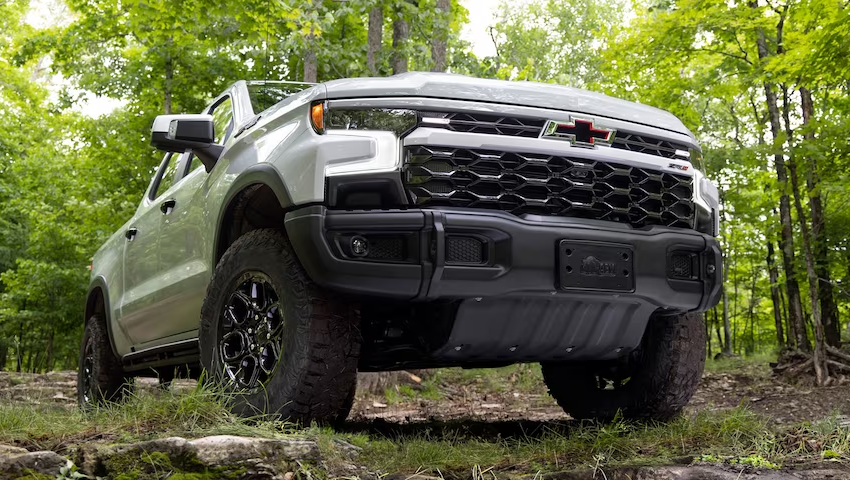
(359, 246)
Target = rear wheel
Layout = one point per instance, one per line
(656, 382)
(100, 377)
(281, 343)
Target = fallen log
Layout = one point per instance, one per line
(837, 353)
(800, 368)
(838, 365)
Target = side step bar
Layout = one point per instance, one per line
(177, 353)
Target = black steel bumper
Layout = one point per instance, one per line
(432, 254)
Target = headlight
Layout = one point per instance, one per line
(382, 119)
(696, 159)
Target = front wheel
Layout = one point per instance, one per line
(656, 382)
(278, 341)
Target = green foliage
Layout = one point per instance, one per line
(68, 180)
(554, 41)
(62, 198)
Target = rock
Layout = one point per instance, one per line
(17, 464)
(350, 451)
(226, 449)
(223, 456)
(9, 449)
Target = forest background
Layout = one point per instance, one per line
(764, 85)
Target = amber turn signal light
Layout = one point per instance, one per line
(317, 117)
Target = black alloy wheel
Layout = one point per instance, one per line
(251, 343)
(86, 373)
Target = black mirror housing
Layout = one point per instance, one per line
(178, 133)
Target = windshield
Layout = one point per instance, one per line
(266, 94)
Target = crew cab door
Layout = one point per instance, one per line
(141, 296)
(184, 251)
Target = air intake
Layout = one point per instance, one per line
(466, 250)
(681, 266)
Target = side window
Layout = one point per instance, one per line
(166, 179)
(222, 113)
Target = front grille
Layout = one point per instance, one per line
(547, 185)
(489, 124)
(532, 127)
(646, 144)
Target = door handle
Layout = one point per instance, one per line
(131, 233)
(167, 206)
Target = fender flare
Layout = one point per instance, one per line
(100, 283)
(259, 174)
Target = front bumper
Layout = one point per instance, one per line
(519, 257)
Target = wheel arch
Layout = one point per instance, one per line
(258, 198)
(97, 302)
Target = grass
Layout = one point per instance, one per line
(523, 378)
(757, 364)
(198, 412)
(735, 437)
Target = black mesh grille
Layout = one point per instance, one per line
(532, 127)
(386, 248)
(681, 266)
(648, 145)
(547, 185)
(490, 124)
(464, 250)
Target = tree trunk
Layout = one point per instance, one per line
(375, 38)
(440, 41)
(786, 242)
(717, 331)
(829, 310)
(50, 352)
(401, 32)
(727, 330)
(169, 81)
(737, 339)
(19, 348)
(773, 274)
(819, 355)
(311, 67)
(789, 337)
(4, 354)
(751, 311)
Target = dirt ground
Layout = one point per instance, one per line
(510, 395)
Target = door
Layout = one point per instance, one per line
(141, 294)
(185, 268)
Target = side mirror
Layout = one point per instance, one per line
(178, 133)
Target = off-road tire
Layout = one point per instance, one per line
(108, 380)
(321, 339)
(667, 370)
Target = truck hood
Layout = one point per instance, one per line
(530, 94)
